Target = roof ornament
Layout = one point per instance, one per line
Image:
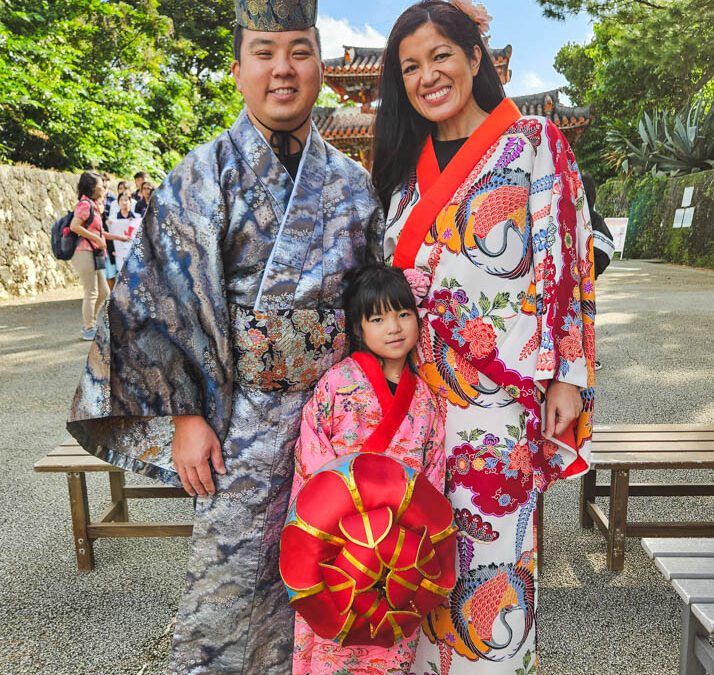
(477, 13)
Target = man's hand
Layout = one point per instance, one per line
(195, 443)
(562, 407)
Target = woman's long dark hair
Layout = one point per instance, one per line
(399, 130)
(371, 290)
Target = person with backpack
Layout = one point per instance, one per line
(89, 259)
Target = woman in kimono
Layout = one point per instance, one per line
(349, 404)
(491, 205)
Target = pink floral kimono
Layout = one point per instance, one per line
(349, 403)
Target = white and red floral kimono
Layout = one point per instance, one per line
(349, 405)
(504, 232)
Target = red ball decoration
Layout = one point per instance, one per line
(368, 549)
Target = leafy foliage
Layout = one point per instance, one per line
(643, 55)
(111, 84)
(669, 143)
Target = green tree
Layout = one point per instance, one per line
(110, 84)
(643, 55)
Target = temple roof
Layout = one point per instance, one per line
(547, 103)
(356, 60)
(343, 123)
(366, 62)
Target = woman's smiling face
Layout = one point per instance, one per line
(437, 74)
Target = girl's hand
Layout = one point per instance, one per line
(194, 444)
(99, 242)
(563, 405)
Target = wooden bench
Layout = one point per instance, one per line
(622, 448)
(71, 459)
(689, 565)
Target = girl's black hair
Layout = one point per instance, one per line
(370, 290)
(399, 130)
(88, 182)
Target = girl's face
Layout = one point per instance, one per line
(124, 202)
(391, 334)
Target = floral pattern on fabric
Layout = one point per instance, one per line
(286, 350)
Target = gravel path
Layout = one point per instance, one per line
(654, 337)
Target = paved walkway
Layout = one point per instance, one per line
(655, 338)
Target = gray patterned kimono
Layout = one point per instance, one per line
(227, 308)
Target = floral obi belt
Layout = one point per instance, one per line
(368, 549)
(286, 350)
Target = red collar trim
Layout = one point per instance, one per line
(394, 408)
(435, 188)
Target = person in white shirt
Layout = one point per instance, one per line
(122, 187)
(126, 223)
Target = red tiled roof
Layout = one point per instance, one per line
(343, 123)
(367, 61)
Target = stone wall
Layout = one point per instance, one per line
(651, 203)
(30, 201)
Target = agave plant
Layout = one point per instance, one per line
(668, 142)
(632, 152)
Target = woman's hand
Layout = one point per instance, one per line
(563, 404)
(99, 242)
(195, 443)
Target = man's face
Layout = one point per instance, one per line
(279, 75)
(139, 181)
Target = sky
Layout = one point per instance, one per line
(520, 23)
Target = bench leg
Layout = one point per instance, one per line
(79, 505)
(617, 527)
(587, 494)
(539, 532)
(688, 662)
(116, 487)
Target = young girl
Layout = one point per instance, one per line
(348, 404)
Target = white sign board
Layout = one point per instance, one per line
(688, 217)
(618, 229)
(678, 218)
(687, 197)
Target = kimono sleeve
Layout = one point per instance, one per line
(314, 447)
(163, 345)
(563, 256)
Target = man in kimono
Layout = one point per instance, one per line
(225, 316)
